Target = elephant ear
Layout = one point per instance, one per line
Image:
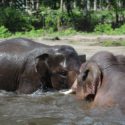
(55, 61)
(43, 56)
(92, 77)
(60, 59)
(82, 58)
(47, 61)
(42, 62)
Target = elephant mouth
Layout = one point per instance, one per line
(45, 88)
(90, 97)
(89, 93)
(59, 74)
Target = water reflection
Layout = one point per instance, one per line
(53, 109)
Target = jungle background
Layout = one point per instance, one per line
(35, 18)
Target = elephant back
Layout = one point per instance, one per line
(104, 59)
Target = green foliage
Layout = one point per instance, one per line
(105, 16)
(69, 31)
(33, 33)
(120, 30)
(76, 14)
(107, 29)
(112, 43)
(85, 22)
(14, 19)
(88, 22)
(103, 28)
(44, 33)
(54, 19)
(66, 32)
(51, 19)
(4, 32)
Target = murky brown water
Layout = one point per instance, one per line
(53, 109)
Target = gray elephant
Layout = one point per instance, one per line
(102, 80)
(26, 66)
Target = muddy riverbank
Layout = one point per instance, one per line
(87, 44)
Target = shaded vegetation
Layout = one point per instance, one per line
(34, 18)
(112, 43)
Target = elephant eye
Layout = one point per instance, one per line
(85, 74)
(64, 73)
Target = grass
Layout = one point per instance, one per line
(112, 43)
(44, 33)
(64, 33)
(4, 33)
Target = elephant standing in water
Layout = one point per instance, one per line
(26, 66)
(102, 80)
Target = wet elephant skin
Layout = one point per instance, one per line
(102, 80)
(26, 65)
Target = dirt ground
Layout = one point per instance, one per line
(86, 44)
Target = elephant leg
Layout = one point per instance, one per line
(29, 84)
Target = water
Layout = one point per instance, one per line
(53, 108)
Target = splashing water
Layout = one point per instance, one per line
(53, 108)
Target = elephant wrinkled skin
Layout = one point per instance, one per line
(102, 80)
(26, 66)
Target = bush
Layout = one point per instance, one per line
(113, 43)
(103, 28)
(51, 20)
(85, 22)
(69, 31)
(105, 16)
(120, 30)
(15, 20)
(4, 32)
(54, 19)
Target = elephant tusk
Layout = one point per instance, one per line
(70, 91)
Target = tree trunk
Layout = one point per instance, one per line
(74, 4)
(88, 5)
(117, 16)
(85, 9)
(61, 5)
(37, 5)
(26, 5)
(100, 4)
(95, 5)
(59, 18)
(32, 5)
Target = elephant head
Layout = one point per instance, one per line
(52, 71)
(88, 81)
(71, 63)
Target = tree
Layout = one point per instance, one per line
(95, 5)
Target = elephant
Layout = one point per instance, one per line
(101, 80)
(26, 66)
(121, 60)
